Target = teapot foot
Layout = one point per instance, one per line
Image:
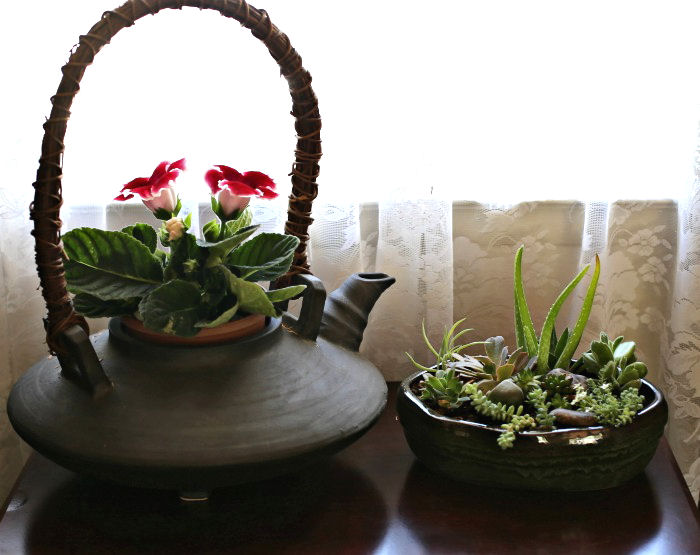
(191, 496)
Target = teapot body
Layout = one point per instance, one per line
(197, 418)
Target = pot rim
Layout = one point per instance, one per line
(123, 332)
(405, 388)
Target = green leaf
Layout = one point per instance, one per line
(528, 329)
(427, 341)
(219, 250)
(181, 250)
(144, 233)
(94, 307)
(221, 319)
(109, 264)
(162, 256)
(211, 230)
(607, 371)
(278, 295)
(265, 257)
(419, 365)
(173, 308)
(628, 374)
(577, 332)
(163, 214)
(450, 337)
(634, 371)
(623, 350)
(590, 362)
(561, 344)
(251, 297)
(519, 332)
(494, 347)
(504, 372)
(215, 206)
(602, 352)
(548, 327)
(231, 227)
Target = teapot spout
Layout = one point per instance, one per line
(347, 308)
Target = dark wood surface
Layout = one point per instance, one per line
(374, 497)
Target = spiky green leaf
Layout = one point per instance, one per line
(565, 358)
(528, 329)
(548, 327)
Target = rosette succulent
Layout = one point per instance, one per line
(195, 283)
(614, 362)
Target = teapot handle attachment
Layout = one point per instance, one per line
(79, 362)
(308, 324)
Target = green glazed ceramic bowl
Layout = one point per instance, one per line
(571, 459)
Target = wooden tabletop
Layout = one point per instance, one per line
(374, 497)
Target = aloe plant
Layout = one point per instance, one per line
(541, 347)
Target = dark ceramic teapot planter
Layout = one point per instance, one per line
(121, 407)
(195, 418)
(575, 459)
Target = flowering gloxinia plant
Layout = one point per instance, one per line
(199, 283)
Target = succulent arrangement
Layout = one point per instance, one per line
(537, 386)
(193, 282)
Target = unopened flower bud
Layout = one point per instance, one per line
(175, 228)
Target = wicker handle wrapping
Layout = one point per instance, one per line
(47, 199)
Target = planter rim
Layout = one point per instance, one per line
(405, 388)
(121, 330)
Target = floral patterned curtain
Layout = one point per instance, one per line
(454, 259)
(451, 258)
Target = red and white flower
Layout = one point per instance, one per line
(235, 189)
(156, 192)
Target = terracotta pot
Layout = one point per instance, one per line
(572, 459)
(225, 333)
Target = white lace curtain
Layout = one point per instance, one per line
(451, 251)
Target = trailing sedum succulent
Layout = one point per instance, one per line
(535, 386)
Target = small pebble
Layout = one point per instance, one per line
(573, 418)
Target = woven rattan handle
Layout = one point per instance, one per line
(47, 199)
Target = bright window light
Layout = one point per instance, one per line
(495, 101)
